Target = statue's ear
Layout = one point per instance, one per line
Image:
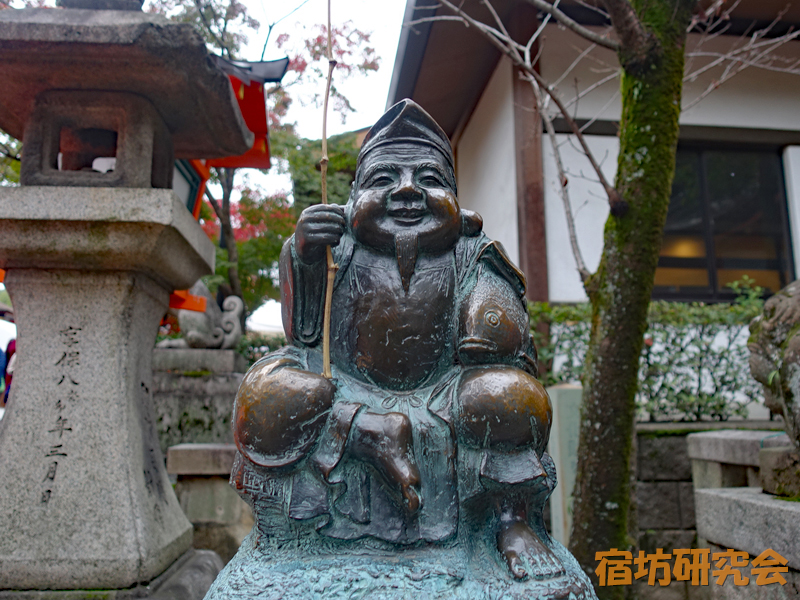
(471, 223)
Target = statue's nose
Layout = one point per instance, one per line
(407, 189)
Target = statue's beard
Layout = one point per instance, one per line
(406, 244)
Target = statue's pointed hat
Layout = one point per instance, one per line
(406, 122)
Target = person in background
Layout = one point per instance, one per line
(8, 369)
(3, 365)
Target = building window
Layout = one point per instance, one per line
(727, 218)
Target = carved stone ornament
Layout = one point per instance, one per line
(420, 468)
(775, 356)
(214, 328)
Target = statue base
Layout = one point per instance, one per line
(300, 571)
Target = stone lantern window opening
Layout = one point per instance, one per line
(82, 126)
(79, 148)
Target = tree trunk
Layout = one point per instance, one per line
(604, 515)
(226, 178)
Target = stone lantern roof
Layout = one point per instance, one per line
(120, 51)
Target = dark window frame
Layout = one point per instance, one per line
(711, 262)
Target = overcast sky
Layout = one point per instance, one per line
(381, 18)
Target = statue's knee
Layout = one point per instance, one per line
(503, 407)
(279, 411)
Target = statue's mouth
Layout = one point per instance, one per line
(477, 343)
(407, 215)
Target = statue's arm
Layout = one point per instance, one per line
(302, 271)
(302, 295)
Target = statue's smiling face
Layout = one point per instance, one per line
(403, 189)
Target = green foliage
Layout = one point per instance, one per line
(303, 158)
(255, 345)
(569, 326)
(262, 223)
(10, 151)
(694, 363)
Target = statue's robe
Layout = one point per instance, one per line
(391, 354)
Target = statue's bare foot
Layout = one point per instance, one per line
(384, 440)
(525, 553)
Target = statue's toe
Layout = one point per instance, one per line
(412, 499)
(525, 554)
(545, 565)
(515, 565)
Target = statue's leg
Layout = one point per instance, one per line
(384, 441)
(505, 412)
(279, 411)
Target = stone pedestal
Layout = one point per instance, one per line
(86, 500)
(730, 515)
(193, 393)
(729, 458)
(749, 520)
(221, 519)
(563, 448)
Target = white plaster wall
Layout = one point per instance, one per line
(589, 209)
(485, 162)
(791, 170)
(754, 98)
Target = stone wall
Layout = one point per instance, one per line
(665, 495)
(665, 500)
(194, 408)
(664, 490)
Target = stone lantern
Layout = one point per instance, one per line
(91, 258)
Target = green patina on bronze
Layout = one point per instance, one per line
(420, 467)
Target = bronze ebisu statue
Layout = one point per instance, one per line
(420, 467)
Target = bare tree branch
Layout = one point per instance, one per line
(589, 123)
(757, 51)
(434, 19)
(505, 45)
(201, 10)
(331, 267)
(617, 203)
(272, 25)
(574, 64)
(535, 37)
(582, 31)
(562, 182)
(594, 86)
(750, 43)
(751, 47)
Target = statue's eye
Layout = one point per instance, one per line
(430, 180)
(492, 318)
(380, 180)
(430, 177)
